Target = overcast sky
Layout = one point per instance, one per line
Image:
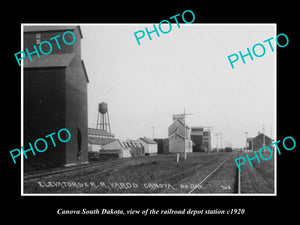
(144, 85)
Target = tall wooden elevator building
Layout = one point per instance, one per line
(55, 97)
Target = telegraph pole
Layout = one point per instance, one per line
(217, 135)
(264, 141)
(184, 134)
(208, 129)
(153, 128)
(217, 140)
(221, 140)
(246, 140)
(185, 114)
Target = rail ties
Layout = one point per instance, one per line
(223, 179)
(41, 174)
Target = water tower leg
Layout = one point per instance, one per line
(108, 122)
(98, 121)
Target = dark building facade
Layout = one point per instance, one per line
(196, 136)
(201, 139)
(258, 142)
(162, 145)
(55, 96)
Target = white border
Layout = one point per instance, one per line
(22, 114)
(143, 194)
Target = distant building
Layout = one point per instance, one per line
(55, 95)
(207, 140)
(179, 135)
(201, 139)
(98, 138)
(162, 145)
(249, 146)
(150, 146)
(135, 147)
(258, 142)
(116, 147)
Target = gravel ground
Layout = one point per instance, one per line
(259, 178)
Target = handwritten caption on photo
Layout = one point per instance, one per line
(122, 185)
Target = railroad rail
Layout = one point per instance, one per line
(39, 174)
(225, 171)
(229, 172)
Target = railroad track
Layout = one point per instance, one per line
(101, 166)
(42, 174)
(224, 178)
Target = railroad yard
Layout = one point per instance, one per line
(200, 173)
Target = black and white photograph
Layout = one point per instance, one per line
(118, 109)
(151, 112)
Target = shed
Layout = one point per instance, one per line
(116, 147)
(98, 138)
(135, 147)
(150, 146)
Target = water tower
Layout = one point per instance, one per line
(103, 118)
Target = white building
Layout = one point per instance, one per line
(116, 147)
(150, 146)
(98, 138)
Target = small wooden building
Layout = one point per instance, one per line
(135, 147)
(98, 138)
(150, 146)
(116, 147)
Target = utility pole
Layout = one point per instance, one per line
(217, 135)
(209, 143)
(184, 134)
(217, 140)
(271, 135)
(264, 141)
(221, 140)
(208, 129)
(185, 114)
(246, 140)
(153, 128)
